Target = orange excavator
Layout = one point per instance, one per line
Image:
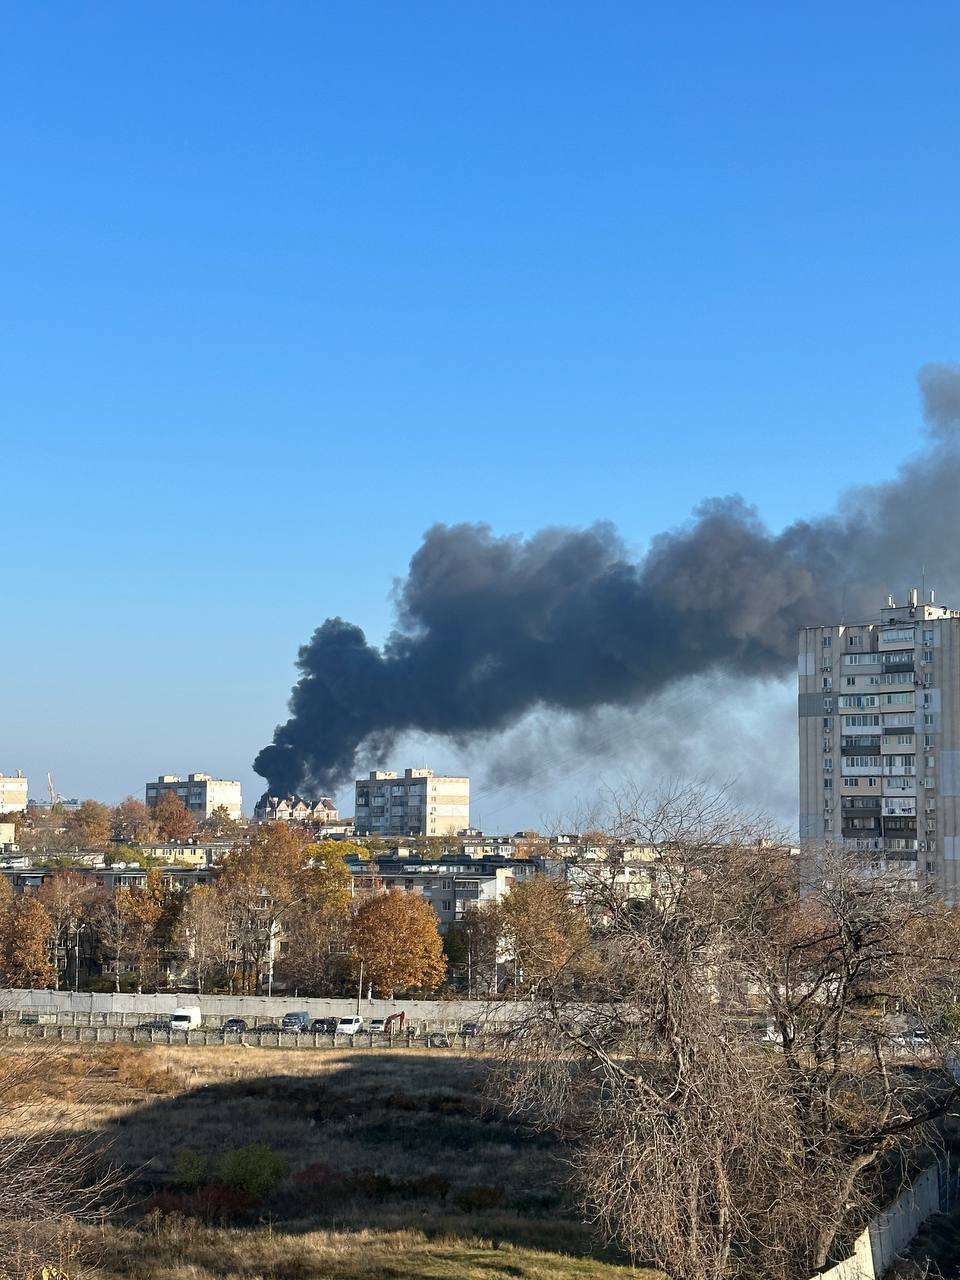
(394, 1024)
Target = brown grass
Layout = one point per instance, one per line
(394, 1169)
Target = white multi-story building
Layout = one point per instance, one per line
(200, 793)
(421, 803)
(13, 792)
(879, 713)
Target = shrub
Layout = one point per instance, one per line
(192, 1169)
(253, 1170)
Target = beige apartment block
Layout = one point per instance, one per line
(13, 792)
(420, 803)
(199, 792)
(879, 717)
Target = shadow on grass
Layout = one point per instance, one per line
(371, 1142)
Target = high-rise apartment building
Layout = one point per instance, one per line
(421, 803)
(880, 740)
(199, 792)
(13, 792)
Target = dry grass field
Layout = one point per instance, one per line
(379, 1164)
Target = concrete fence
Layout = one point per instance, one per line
(129, 1007)
(890, 1232)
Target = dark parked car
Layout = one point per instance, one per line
(470, 1029)
(296, 1022)
(234, 1026)
(325, 1026)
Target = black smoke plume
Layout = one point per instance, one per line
(489, 627)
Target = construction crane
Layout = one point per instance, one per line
(53, 795)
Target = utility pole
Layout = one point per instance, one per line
(360, 988)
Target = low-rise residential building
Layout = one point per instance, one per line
(420, 803)
(294, 808)
(13, 792)
(452, 884)
(200, 793)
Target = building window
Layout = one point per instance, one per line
(827, 641)
(852, 681)
(828, 784)
(856, 641)
(927, 635)
(826, 722)
(931, 762)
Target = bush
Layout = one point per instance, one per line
(253, 1170)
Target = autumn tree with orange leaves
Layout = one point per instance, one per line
(394, 937)
(173, 819)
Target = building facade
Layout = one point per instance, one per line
(294, 808)
(199, 792)
(452, 885)
(13, 792)
(421, 803)
(879, 715)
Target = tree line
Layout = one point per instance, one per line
(93, 825)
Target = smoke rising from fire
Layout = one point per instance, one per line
(489, 628)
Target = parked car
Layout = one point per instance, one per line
(188, 1018)
(349, 1026)
(29, 1019)
(325, 1026)
(154, 1024)
(470, 1028)
(296, 1022)
(234, 1026)
(377, 1026)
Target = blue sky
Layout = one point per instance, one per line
(281, 285)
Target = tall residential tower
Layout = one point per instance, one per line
(880, 740)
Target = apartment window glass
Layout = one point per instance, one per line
(855, 641)
(852, 681)
(828, 784)
(931, 762)
(827, 641)
(927, 635)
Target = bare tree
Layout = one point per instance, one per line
(727, 1063)
(54, 1179)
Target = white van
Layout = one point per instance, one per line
(186, 1019)
(349, 1026)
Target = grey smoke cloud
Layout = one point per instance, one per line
(940, 392)
(491, 628)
